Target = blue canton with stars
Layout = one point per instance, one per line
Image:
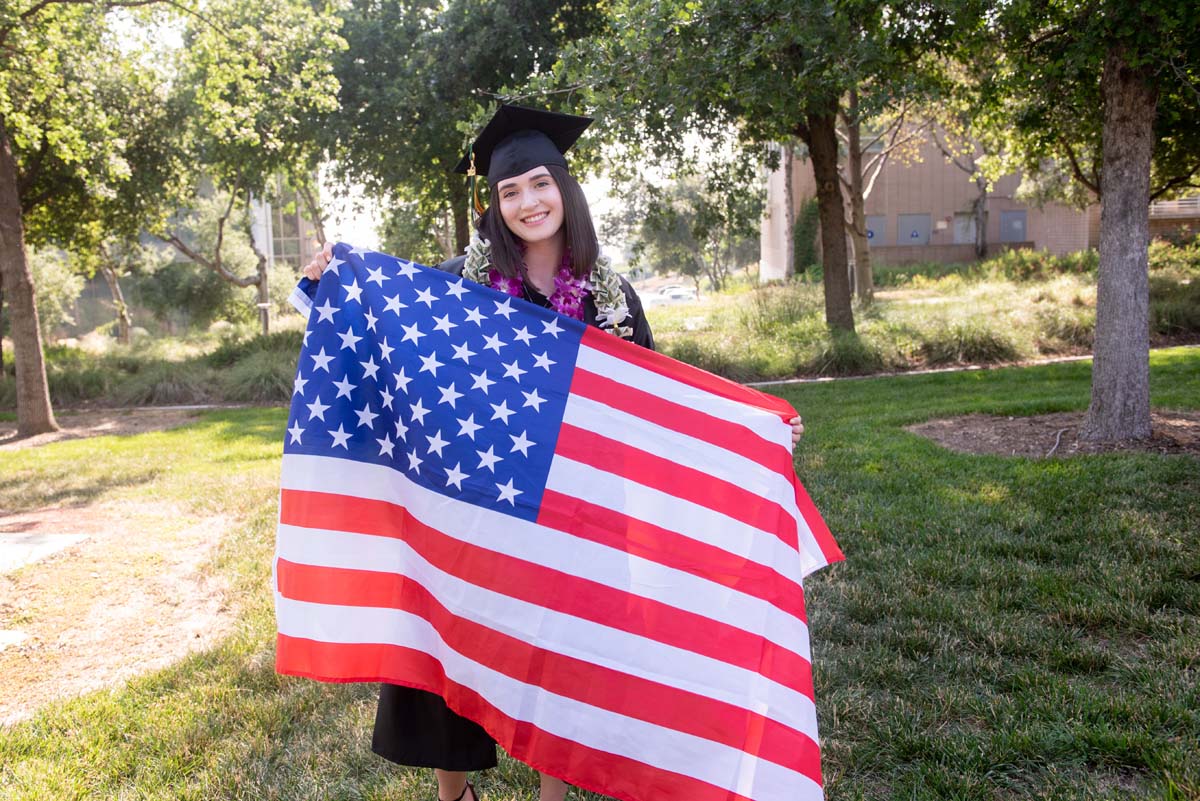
(459, 387)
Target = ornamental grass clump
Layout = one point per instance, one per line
(260, 377)
(167, 384)
(968, 341)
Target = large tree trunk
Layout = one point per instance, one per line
(820, 134)
(124, 322)
(1120, 408)
(34, 414)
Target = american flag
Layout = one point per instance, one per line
(592, 550)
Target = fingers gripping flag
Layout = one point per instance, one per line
(592, 550)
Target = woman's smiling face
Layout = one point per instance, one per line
(531, 205)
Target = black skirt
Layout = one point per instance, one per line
(416, 728)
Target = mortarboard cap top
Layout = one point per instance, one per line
(517, 139)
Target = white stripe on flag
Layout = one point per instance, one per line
(590, 726)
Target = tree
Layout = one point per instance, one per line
(1110, 89)
(256, 86)
(64, 85)
(772, 71)
(418, 76)
(701, 229)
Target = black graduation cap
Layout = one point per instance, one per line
(517, 139)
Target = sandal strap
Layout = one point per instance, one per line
(466, 787)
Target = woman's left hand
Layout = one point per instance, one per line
(797, 430)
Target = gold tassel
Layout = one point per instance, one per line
(479, 209)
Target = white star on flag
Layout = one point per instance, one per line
(427, 297)
(393, 304)
(320, 361)
(340, 437)
(505, 308)
(436, 443)
(521, 443)
(325, 312)
(513, 371)
(508, 492)
(532, 399)
(449, 395)
(316, 409)
(489, 458)
(455, 476)
(502, 412)
(353, 291)
(468, 426)
(366, 417)
(296, 430)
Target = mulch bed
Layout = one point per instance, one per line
(1056, 435)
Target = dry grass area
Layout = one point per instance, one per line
(135, 595)
(100, 422)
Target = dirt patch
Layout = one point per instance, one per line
(1056, 435)
(100, 422)
(134, 596)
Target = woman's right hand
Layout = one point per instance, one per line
(314, 268)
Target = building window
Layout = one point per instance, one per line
(877, 230)
(1012, 226)
(913, 229)
(964, 228)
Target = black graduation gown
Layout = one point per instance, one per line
(415, 727)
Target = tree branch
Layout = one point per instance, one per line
(1093, 184)
(1178, 182)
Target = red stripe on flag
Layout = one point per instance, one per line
(675, 479)
(598, 771)
(549, 588)
(674, 416)
(609, 527)
(588, 683)
(685, 373)
(816, 524)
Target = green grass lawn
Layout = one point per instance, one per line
(1002, 628)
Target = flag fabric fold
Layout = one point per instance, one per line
(590, 549)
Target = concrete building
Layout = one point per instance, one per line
(922, 210)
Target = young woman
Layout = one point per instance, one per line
(536, 241)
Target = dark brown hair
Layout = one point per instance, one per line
(577, 224)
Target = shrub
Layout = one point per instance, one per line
(1180, 261)
(780, 305)
(1060, 330)
(846, 353)
(165, 383)
(969, 342)
(804, 237)
(262, 377)
(283, 344)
